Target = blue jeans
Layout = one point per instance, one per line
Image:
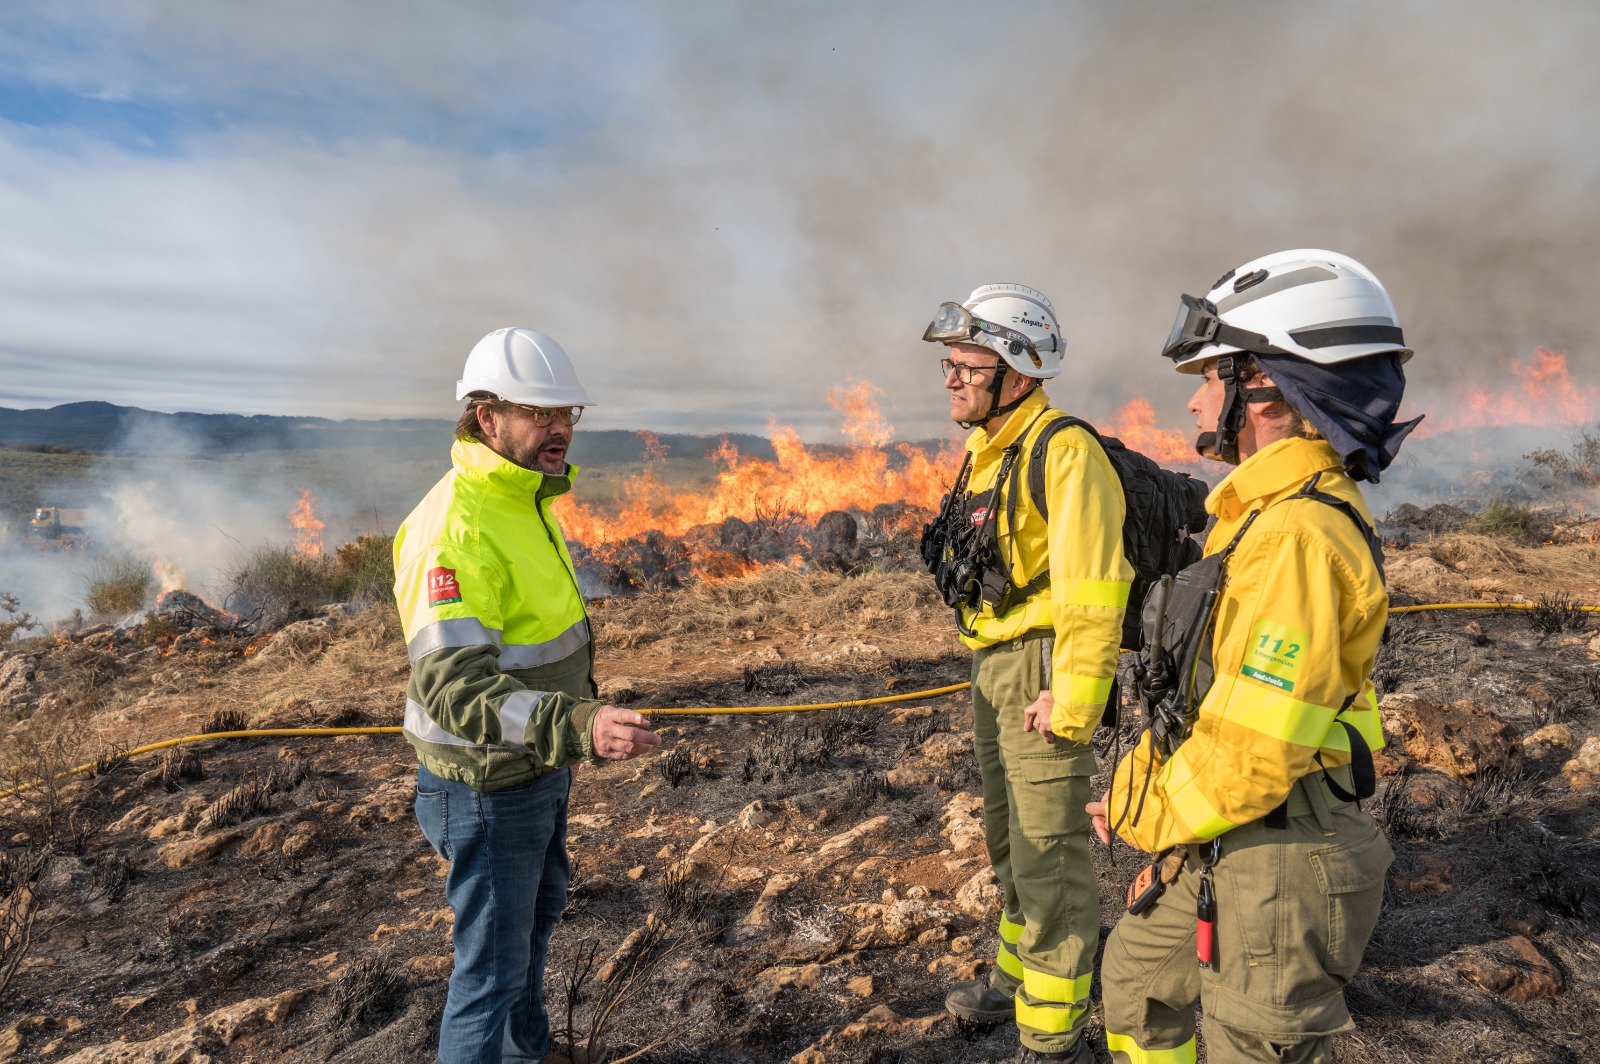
(507, 886)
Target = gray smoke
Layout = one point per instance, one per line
(722, 209)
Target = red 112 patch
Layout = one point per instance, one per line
(442, 587)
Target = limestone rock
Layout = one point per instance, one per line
(185, 852)
(1460, 739)
(861, 986)
(1419, 574)
(905, 920)
(848, 839)
(195, 1041)
(1583, 771)
(963, 822)
(761, 912)
(17, 676)
(1547, 740)
(980, 897)
(783, 976)
(391, 801)
(947, 748)
(756, 815)
(1514, 969)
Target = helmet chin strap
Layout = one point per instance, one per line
(1224, 443)
(995, 407)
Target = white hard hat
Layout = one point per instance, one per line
(996, 310)
(1317, 305)
(522, 366)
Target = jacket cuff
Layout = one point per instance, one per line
(580, 737)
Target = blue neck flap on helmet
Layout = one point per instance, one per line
(1353, 404)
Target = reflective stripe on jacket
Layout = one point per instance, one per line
(502, 685)
(1089, 577)
(1297, 629)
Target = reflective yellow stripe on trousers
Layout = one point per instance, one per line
(1005, 956)
(1073, 995)
(1121, 1043)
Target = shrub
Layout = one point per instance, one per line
(16, 619)
(365, 569)
(271, 577)
(1579, 465)
(1517, 523)
(119, 583)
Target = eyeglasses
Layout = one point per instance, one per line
(964, 372)
(544, 416)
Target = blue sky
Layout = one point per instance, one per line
(724, 209)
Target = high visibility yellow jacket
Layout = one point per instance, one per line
(1082, 546)
(1297, 629)
(502, 666)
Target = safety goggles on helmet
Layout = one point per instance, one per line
(1197, 325)
(954, 324)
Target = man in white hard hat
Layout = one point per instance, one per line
(502, 696)
(1039, 597)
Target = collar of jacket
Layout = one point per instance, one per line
(475, 460)
(1017, 424)
(1281, 467)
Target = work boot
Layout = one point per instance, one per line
(981, 1003)
(1080, 1053)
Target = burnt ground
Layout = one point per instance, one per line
(764, 887)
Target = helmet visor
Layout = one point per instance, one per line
(1197, 325)
(952, 323)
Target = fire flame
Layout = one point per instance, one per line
(307, 528)
(803, 483)
(1544, 394)
(1135, 425)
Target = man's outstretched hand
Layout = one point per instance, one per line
(621, 733)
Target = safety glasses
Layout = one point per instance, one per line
(544, 416)
(1197, 325)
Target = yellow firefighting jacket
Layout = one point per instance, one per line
(1297, 629)
(1082, 546)
(502, 666)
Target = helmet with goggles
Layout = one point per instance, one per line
(1012, 320)
(1317, 305)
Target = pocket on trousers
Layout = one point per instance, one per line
(1351, 878)
(1049, 798)
(433, 815)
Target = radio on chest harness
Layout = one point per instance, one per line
(961, 546)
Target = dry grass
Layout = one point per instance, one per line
(1494, 566)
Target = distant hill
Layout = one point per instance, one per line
(106, 427)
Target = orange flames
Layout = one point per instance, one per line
(1135, 425)
(307, 528)
(803, 482)
(1544, 393)
(806, 482)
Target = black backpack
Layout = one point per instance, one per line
(1165, 510)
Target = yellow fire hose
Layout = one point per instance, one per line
(935, 692)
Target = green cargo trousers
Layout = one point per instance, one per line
(1038, 837)
(1295, 907)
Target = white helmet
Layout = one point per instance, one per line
(1317, 305)
(1012, 320)
(522, 366)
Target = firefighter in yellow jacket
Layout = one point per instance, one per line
(1257, 747)
(501, 697)
(1044, 623)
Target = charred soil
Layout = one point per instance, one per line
(764, 887)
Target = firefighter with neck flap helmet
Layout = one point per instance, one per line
(1040, 601)
(1254, 680)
